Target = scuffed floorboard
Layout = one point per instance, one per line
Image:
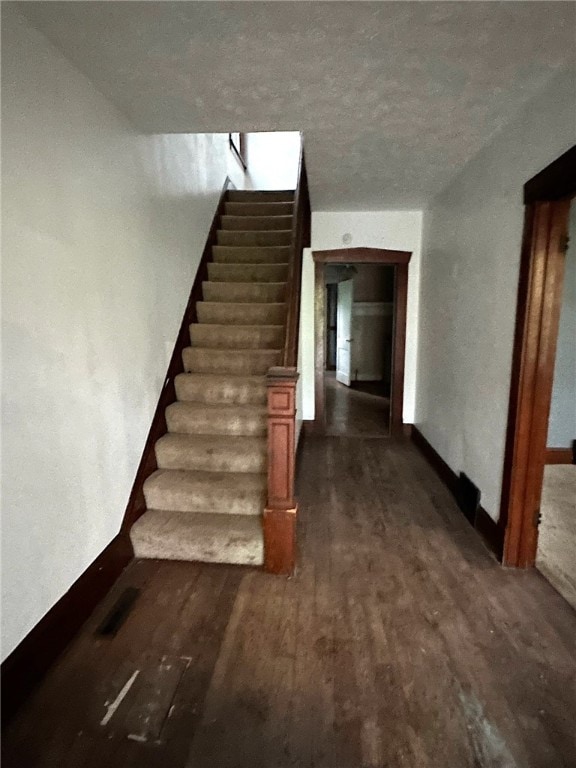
(398, 643)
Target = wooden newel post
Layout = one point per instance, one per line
(281, 507)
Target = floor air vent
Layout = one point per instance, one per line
(119, 613)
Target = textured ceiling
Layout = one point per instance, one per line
(393, 97)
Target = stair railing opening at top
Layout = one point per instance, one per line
(281, 507)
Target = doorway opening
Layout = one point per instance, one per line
(360, 322)
(544, 288)
(556, 549)
(359, 304)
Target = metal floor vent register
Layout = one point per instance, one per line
(119, 612)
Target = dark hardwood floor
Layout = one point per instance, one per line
(399, 642)
(362, 410)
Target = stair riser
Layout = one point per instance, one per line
(213, 500)
(224, 254)
(174, 548)
(235, 337)
(259, 209)
(273, 237)
(189, 389)
(198, 537)
(255, 223)
(248, 363)
(222, 313)
(214, 461)
(246, 273)
(261, 196)
(249, 425)
(250, 293)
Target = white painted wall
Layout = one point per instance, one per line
(398, 230)
(102, 233)
(372, 325)
(562, 423)
(469, 280)
(273, 159)
(305, 387)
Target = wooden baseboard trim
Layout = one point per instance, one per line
(448, 477)
(490, 531)
(31, 659)
(560, 456)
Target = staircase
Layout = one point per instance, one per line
(206, 499)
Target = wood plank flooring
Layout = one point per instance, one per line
(357, 411)
(399, 642)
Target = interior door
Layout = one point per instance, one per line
(343, 332)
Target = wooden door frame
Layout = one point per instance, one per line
(547, 200)
(384, 257)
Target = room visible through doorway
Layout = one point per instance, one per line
(556, 547)
(360, 334)
(538, 479)
(359, 303)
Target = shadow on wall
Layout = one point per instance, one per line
(272, 159)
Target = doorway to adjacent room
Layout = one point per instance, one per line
(541, 413)
(358, 362)
(360, 306)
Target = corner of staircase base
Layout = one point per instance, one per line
(280, 540)
(199, 537)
